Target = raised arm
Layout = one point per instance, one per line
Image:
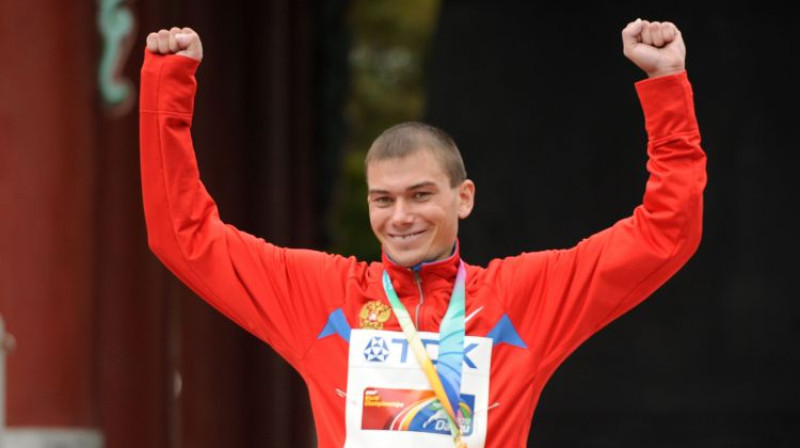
(283, 296)
(559, 298)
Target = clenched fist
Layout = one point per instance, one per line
(181, 41)
(655, 47)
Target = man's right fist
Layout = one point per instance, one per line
(182, 41)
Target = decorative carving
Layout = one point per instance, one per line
(116, 24)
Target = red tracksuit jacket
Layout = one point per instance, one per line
(328, 316)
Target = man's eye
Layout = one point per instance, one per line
(422, 195)
(382, 201)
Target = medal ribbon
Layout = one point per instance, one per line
(445, 378)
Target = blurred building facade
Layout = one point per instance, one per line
(111, 349)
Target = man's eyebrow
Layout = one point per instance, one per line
(423, 184)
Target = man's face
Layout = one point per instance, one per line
(413, 210)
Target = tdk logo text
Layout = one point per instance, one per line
(376, 350)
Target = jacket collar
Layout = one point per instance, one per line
(432, 275)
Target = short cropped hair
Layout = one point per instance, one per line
(404, 139)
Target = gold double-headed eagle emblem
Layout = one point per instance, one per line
(374, 314)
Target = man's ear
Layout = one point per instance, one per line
(466, 198)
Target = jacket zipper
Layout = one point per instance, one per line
(418, 281)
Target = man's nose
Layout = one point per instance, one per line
(403, 213)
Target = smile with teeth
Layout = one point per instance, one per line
(406, 236)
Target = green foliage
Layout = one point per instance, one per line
(390, 41)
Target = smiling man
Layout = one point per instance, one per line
(422, 349)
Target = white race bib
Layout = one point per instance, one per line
(390, 401)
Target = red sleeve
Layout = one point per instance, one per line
(557, 299)
(282, 296)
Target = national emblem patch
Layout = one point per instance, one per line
(374, 314)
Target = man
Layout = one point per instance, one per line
(422, 349)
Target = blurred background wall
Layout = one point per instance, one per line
(540, 100)
(106, 338)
